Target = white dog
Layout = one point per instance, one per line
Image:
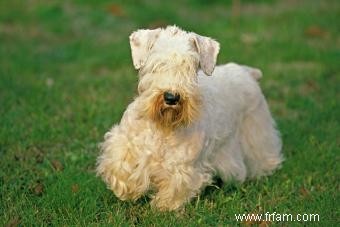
(185, 127)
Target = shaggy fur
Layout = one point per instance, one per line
(221, 125)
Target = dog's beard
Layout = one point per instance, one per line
(169, 117)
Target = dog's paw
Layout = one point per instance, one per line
(125, 189)
(167, 204)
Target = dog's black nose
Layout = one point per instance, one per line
(170, 98)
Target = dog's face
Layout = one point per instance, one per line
(168, 61)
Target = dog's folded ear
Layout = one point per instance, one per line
(141, 42)
(208, 50)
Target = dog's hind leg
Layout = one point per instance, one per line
(228, 161)
(260, 141)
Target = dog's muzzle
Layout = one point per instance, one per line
(171, 98)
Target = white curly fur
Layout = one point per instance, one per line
(222, 125)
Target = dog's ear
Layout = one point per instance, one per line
(208, 50)
(141, 42)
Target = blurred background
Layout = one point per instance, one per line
(66, 76)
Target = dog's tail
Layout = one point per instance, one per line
(254, 72)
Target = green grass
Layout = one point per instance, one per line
(66, 76)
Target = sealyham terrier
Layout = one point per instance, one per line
(185, 127)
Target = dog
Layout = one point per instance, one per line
(191, 121)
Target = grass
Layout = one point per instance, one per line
(66, 76)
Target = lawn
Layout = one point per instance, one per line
(66, 77)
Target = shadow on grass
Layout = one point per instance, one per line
(218, 185)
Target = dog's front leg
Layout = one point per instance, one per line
(122, 167)
(177, 187)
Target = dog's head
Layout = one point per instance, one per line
(168, 60)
